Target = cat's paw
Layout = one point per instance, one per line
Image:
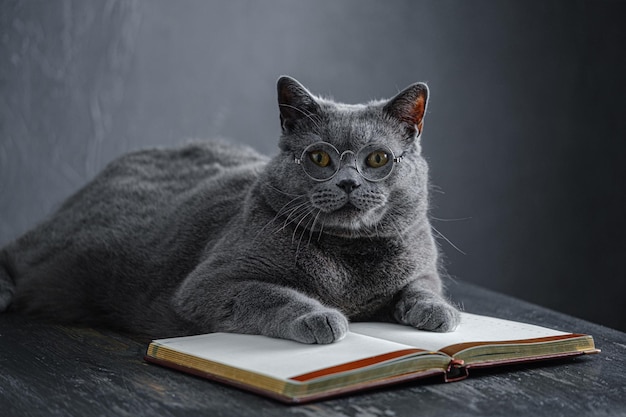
(321, 327)
(429, 313)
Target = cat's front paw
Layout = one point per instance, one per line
(429, 313)
(321, 327)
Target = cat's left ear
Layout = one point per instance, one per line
(295, 102)
(409, 108)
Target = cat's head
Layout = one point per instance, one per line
(349, 170)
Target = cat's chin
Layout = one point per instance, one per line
(348, 211)
(350, 221)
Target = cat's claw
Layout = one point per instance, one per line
(320, 327)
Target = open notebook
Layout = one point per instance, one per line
(371, 355)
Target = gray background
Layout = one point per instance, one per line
(525, 130)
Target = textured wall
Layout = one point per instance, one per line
(525, 130)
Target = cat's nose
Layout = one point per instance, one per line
(348, 185)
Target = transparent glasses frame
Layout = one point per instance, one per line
(393, 160)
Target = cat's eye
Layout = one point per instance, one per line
(377, 159)
(320, 158)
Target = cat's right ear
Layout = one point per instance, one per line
(409, 108)
(294, 102)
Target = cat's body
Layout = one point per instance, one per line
(211, 237)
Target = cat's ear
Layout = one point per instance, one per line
(294, 102)
(409, 107)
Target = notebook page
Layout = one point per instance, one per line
(473, 328)
(279, 358)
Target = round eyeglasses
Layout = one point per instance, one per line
(321, 161)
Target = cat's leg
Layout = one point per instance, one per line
(425, 308)
(217, 303)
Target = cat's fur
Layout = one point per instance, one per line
(211, 237)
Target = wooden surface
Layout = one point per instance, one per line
(54, 370)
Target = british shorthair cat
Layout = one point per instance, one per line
(212, 237)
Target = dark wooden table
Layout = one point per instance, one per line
(54, 370)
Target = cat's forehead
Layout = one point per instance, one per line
(351, 126)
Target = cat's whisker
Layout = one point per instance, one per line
(319, 236)
(399, 234)
(436, 189)
(280, 212)
(268, 185)
(376, 230)
(294, 215)
(285, 209)
(450, 220)
(295, 230)
(289, 208)
(391, 215)
(319, 211)
(304, 229)
(446, 239)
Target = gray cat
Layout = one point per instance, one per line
(211, 237)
